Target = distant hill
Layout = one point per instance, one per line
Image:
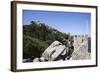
(37, 37)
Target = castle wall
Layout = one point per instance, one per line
(80, 47)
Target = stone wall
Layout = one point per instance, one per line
(79, 39)
(80, 47)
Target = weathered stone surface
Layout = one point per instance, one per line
(54, 51)
(36, 60)
(81, 49)
(59, 52)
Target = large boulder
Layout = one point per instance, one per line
(56, 51)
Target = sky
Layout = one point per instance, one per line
(74, 23)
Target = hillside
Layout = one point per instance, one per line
(37, 37)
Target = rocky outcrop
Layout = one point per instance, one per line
(59, 52)
(56, 51)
